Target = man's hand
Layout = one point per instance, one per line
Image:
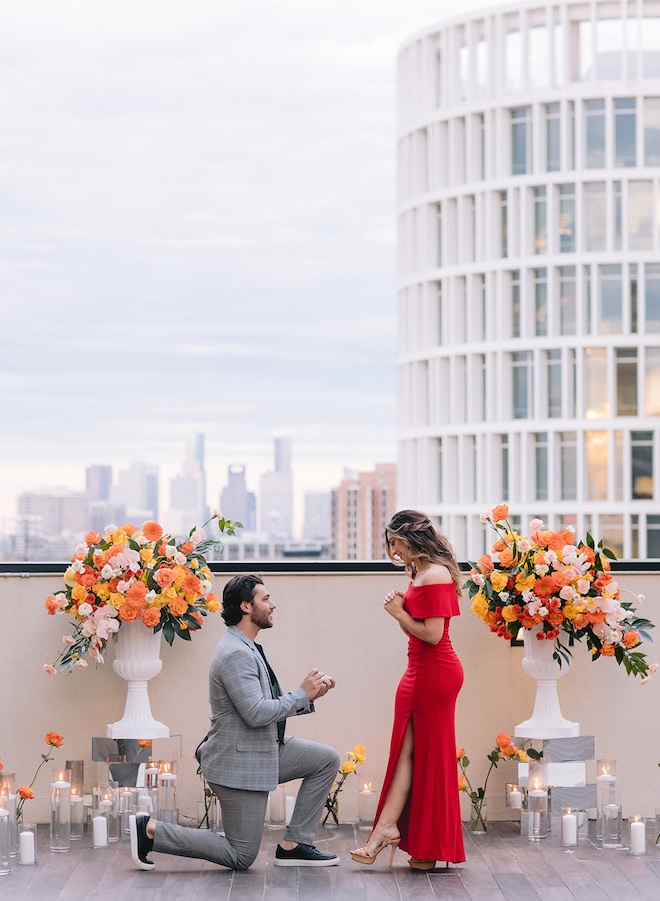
(316, 684)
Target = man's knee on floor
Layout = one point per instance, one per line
(244, 860)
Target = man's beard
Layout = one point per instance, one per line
(261, 619)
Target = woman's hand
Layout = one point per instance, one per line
(393, 603)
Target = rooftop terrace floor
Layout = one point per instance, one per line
(500, 865)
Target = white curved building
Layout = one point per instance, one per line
(529, 270)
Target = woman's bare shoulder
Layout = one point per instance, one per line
(435, 574)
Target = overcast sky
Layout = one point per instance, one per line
(197, 232)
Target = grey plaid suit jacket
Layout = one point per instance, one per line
(241, 750)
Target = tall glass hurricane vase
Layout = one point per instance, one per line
(137, 659)
(546, 720)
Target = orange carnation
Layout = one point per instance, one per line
(151, 617)
(54, 739)
(152, 531)
(500, 512)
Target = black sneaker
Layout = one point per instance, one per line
(304, 856)
(141, 844)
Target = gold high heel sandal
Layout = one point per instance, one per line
(362, 855)
(417, 864)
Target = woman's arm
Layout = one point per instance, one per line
(429, 630)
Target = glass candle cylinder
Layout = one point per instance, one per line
(367, 802)
(569, 827)
(605, 781)
(100, 828)
(167, 809)
(537, 805)
(60, 811)
(637, 835)
(151, 775)
(27, 844)
(610, 819)
(8, 787)
(77, 814)
(77, 770)
(127, 805)
(4, 839)
(514, 796)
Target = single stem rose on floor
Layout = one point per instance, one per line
(504, 750)
(356, 756)
(25, 792)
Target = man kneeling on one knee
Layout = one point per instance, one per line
(245, 754)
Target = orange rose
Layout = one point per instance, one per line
(187, 547)
(580, 621)
(560, 539)
(499, 545)
(129, 529)
(178, 606)
(87, 580)
(485, 564)
(630, 639)
(51, 605)
(54, 739)
(164, 577)
(26, 792)
(607, 650)
(561, 578)
(128, 613)
(503, 741)
(506, 557)
(499, 513)
(198, 617)
(152, 531)
(92, 538)
(462, 783)
(151, 617)
(556, 618)
(460, 752)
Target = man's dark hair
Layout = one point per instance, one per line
(236, 592)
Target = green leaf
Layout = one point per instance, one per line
(168, 631)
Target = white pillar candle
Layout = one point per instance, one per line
(26, 847)
(637, 837)
(515, 799)
(100, 830)
(536, 795)
(569, 829)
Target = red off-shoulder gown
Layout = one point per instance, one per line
(430, 824)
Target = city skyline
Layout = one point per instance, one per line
(198, 234)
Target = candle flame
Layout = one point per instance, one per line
(367, 786)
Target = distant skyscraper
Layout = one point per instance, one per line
(317, 524)
(529, 275)
(137, 492)
(236, 502)
(188, 506)
(276, 494)
(361, 508)
(50, 523)
(98, 482)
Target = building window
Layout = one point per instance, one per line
(610, 297)
(553, 362)
(440, 312)
(522, 375)
(609, 49)
(521, 140)
(513, 60)
(618, 215)
(652, 130)
(541, 465)
(594, 128)
(567, 301)
(504, 446)
(440, 495)
(652, 297)
(650, 43)
(538, 56)
(640, 215)
(568, 466)
(552, 138)
(438, 240)
(515, 303)
(641, 457)
(611, 528)
(653, 537)
(625, 142)
(540, 220)
(567, 218)
(597, 462)
(632, 284)
(652, 382)
(541, 301)
(626, 381)
(595, 364)
(504, 224)
(595, 218)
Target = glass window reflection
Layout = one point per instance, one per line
(595, 133)
(652, 297)
(625, 142)
(552, 141)
(610, 300)
(640, 215)
(652, 130)
(626, 381)
(609, 34)
(596, 402)
(595, 218)
(641, 457)
(597, 447)
(652, 382)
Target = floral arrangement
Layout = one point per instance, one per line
(552, 581)
(130, 573)
(357, 756)
(26, 792)
(504, 750)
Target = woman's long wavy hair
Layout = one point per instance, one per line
(424, 542)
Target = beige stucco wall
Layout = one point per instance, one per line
(336, 623)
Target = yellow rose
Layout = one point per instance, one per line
(479, 605)
(119, 537)
(146, 555)
(69, 576)
(348, 766)
(509, 614)
(78, 593)
(193, 563)
(525, 583)
(204, 571)
(117, 599)
(213, 605)
(359, 753)
(498, 580)
(169, 593)
(569, 611)
(180, 572)
(101, 590)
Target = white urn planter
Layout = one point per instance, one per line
(546, 720)
(137, 659)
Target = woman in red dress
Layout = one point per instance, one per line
(419, 807)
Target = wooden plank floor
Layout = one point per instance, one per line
(500, 865)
